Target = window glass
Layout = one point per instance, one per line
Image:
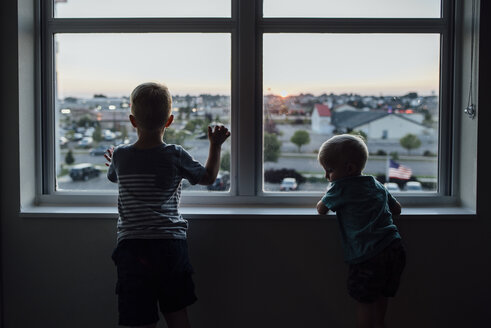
(352, 8)
(95, 74)
(141, 8)
(384, 87)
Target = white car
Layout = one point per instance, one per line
(392, 187)
(77, 136)
(85, 142)
(413, 186)
(109, 135)
(289, 184)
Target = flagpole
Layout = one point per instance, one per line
(387, 166)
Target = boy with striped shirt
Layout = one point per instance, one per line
(151, 255)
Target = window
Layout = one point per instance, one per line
(283, 75)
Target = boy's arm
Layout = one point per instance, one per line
(217, 137)
(322, 208)
(394, 206)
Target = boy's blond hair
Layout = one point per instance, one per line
(151, 105)
(343, 149)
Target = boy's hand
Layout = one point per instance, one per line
(321, 208)
(218, 135)
(109, 155)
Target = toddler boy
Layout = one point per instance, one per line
(371, 241)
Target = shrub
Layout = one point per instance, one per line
(428, 153)
(394, 155)
(69, 159)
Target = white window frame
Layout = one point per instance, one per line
(246, 26)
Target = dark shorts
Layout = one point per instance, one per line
(152, 273)
(379, 276)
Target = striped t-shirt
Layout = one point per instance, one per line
(149, 182)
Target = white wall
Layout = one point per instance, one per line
(321, 124)
(250, 272)
(396, 127)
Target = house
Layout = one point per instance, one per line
(344, 108)
(321, 119)
(378, 124)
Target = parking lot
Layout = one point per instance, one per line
(304, 162)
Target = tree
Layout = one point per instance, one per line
(270, 126)
(360, 133)
(172, 136)
(185, 111)
(71, 99)
(69, 159)
(124, 132)
(300, 138)
(225, 162)
(85, 121)
(410, 141)
(272, 147)
(191, 125)
(97, 134)
(428, 118)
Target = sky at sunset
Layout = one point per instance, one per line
(196, 63)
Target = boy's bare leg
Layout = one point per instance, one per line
(178, 319)
(380, 310)
(372, 315)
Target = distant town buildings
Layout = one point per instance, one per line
(379, 117)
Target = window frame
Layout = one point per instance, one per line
(246, 27)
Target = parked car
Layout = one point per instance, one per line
(77, 136)
(89, 132)
(413, 186)
(84, 172)
(85, 142)
(63, 142)
(99, 150)
(392, 187)
(109, 135)
(288, 184)
(222, 182)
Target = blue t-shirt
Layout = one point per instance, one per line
(149, 183)
(361, 204)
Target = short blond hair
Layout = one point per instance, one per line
(151, 105)
(342, 149)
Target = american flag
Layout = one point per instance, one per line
(399, 171)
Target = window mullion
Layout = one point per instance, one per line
(247, 128)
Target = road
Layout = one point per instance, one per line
(420, 167)
(427, 167)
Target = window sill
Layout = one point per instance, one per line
(232, 212)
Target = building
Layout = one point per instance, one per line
(344, 108)
(378, 124)
(321, 119)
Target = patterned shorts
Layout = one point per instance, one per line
(378, 276)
